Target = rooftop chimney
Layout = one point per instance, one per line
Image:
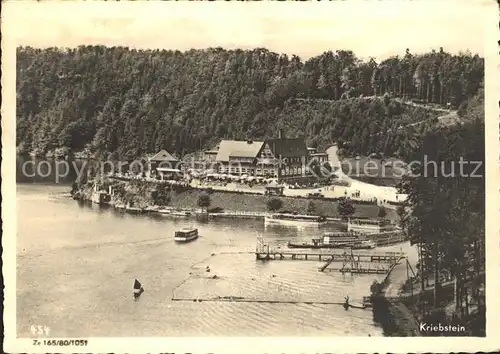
(281, 134)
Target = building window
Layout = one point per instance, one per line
(299, 170)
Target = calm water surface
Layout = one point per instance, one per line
(76, 265)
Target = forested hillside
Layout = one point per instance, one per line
(129, 102)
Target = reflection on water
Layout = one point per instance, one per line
(76, 265)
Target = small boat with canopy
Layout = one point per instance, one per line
(186, 234)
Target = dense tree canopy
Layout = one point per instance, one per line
(447, 199)
(129, 102)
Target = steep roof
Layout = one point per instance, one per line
(288, 147)
(162, 155)
(243, 153)
(238, 149)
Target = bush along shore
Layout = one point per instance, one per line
(147, 195)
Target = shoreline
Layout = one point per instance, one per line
(356, 187)
(141, 196)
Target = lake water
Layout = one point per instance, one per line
(76, 265)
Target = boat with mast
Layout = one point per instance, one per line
(138, 289)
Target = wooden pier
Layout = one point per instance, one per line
(386, 257)
(360, 262)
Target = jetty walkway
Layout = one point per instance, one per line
(320, 256)
(352, 262)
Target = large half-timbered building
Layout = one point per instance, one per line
(282, 158)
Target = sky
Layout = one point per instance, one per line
(369, 28)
